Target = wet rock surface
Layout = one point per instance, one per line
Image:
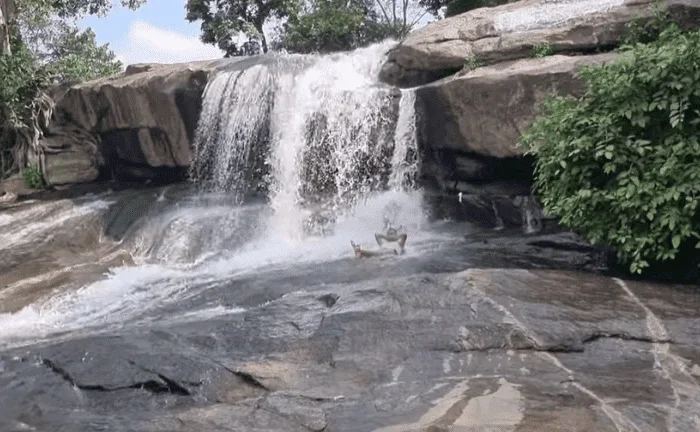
(505, 349)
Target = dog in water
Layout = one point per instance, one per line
(368, 253)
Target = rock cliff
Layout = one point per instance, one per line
(135, 126)
(512, 31)
(479, 85)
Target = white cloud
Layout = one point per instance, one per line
(146, 43)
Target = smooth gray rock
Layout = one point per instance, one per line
(509, 32)
(521, 350)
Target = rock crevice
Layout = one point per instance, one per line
(156, 386)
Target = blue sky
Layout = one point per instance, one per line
(156, 32)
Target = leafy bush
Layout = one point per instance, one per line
(645, 30)
(332, 26)
(32, 177)
(44, 49)
(473, 62)
(621, 163)
(543, 50)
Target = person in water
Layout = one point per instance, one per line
(391, 235)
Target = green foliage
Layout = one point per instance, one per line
(223, 21)
(640, 30)
(19, 78)
(620, 163)
(334, 26)
(543, 50)
(456, 7)
(78, 8)
(474, 62)
(31, 175)
(75, 55)
(46, 49)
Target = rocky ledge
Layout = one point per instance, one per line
(471, 116)
(140, 126)
(135, 126)
(507, 350)
(511, 31)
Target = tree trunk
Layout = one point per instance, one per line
(7, 13)
(263, 39)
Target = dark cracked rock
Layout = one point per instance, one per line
(507, 350)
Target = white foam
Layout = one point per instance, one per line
(125, 294)
(42, 221)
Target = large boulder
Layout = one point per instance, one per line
(132, 126)
(510, 32)
(484, 111)
(468, 129)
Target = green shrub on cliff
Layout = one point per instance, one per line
(621, 163)
(543, 50)
(32, 177)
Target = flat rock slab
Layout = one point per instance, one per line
(480, 350)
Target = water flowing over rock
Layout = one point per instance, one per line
(470, 118)
(233, 302)
(516, 350)
(315, 133)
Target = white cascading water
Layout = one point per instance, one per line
(234, 112)
(341, 95)
(404, 161)
(333, 132)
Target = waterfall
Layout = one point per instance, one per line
(404, 162)
(233, 119)
(497, 216)
(321, 133)
(531, 215)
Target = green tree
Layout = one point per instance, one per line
(336, 25)
(333, 25)
(236, 26)
(456, 7)
(46, 47)
(76, 56)
(620, 163)
(79, 8)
